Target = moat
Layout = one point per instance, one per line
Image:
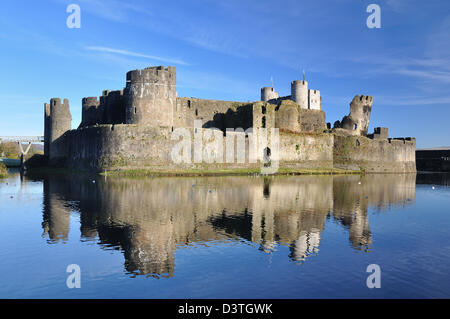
(225, 237)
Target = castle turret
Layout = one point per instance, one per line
(58, 123)
(268, 93)
(150, 96)
(299, 93)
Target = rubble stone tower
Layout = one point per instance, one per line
(359, 117)
(150, 96)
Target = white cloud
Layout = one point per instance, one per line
(134, 54)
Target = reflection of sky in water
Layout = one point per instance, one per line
(254, 237)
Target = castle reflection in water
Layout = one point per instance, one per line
(148, 219)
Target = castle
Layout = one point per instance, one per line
(133, 128)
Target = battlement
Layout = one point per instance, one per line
(153, 75)
(115, 94)
(56, 101)
(363, 98)
(299, 82)
(379, 133)
(402, 140)
(90, 101)
(268, 93)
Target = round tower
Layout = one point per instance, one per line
(150, 96)
(299, 93)
(60, 122)
(268, 93)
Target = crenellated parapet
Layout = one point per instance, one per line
(268, 93)
(109, 108)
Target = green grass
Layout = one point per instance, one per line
(3, 171)
(148, 172)
(223, 172)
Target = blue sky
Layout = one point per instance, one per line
(229, 49)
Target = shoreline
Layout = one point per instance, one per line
(224, 172)
(143, 172)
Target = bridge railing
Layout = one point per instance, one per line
(22, 139)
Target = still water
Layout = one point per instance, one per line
(225, 237)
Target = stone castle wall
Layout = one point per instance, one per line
(212, 113)
(131, 146)
(374, 155)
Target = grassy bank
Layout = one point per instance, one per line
(42, 171)
(3, 171)
(223, 172)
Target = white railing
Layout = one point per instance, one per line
(22, 139)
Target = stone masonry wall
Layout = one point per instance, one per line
(212, 113)
(131, 146)
(374, 155)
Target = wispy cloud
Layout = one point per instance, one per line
(135, 54)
